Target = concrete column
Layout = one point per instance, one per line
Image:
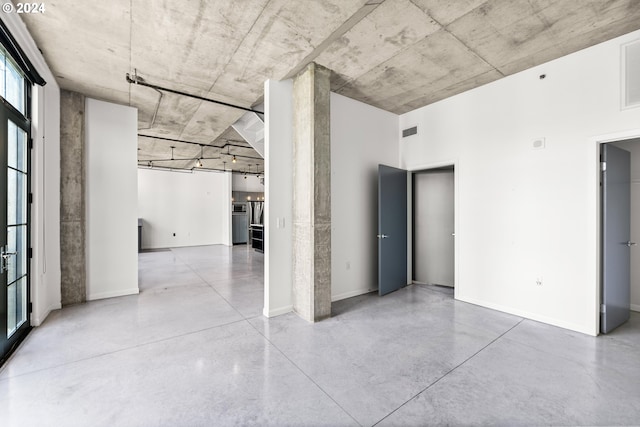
(72, 198)
(311, 194)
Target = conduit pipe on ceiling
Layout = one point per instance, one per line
(140, 81)
(228, 143)
(179, 160)
(198, 169)
(206, 145)
(155, 113)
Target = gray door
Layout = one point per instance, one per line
(392, 229)
(616, 232)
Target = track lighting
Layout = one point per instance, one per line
(234, 159)
(199, 164)
(150, 164)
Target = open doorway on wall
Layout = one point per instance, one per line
(202, 213)
(620, 233)
(433, 225)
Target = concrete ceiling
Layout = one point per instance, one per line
(397, 55)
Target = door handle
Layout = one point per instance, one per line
(630, 243)
(4, 264)
(382, 236)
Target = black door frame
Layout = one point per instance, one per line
(8, 112)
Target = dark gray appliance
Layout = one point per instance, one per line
(239, 223)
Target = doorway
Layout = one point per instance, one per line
(620, 232)
(433, 225)
(14, 223)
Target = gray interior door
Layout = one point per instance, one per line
(392, 229)
(616, 232)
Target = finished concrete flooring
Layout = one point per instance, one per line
(193, 349)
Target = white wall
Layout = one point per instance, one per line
(362, 137)
(45, 180)
(111, 199)
(633, 146)
(249, 185)
(195, 206)
(279, 197)
(522, 213)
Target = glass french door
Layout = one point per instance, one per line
(14, 230)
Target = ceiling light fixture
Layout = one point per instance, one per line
(199, 162)
(233, 160)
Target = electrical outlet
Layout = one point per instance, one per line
(174, 234)
(539, 281)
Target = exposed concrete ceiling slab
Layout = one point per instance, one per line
(187, 45)
(435, 63)
(395, 54)
(510, 36)
(519, 34)
(71, 32)
(388, 30)
(285, 33)
(595, 22)
(171, 112)
(209, 121)
(445, 12)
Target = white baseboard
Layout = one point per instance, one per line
(277, 311)
(37, 319)
(113, 294)
(533, 316)
(635, 307)
(351, 294)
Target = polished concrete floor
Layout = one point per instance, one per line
(194, 350)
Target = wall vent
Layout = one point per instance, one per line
(409, 131)
(631, 74)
